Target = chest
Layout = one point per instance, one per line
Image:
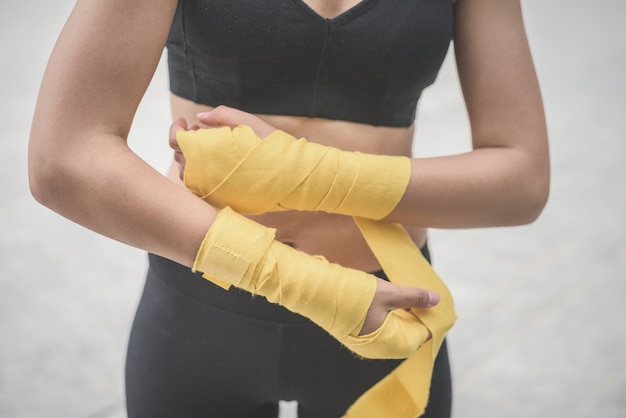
(365, 61)
(396, 35)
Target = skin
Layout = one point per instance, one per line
(81, 166)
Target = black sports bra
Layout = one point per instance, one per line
(369, 65)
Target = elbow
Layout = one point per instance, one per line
(536, 202)
(41, 179)
(46, 176)
(532, 199)
(40, 192)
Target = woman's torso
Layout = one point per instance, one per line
(336, 237)
(366, 67)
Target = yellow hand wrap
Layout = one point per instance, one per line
(311, 176)
(233, 167)
(243, 253)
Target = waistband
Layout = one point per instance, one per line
(174, 277)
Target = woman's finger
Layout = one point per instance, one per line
(177, 125)
(397, 296)
(228, 116)
(412, 297)
(179, 158)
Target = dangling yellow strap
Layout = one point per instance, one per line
(404, 392)
(235, 168)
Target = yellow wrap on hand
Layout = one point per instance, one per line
(243, 253)
(312, 176)
(235, 168)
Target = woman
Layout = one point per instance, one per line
(346, 74)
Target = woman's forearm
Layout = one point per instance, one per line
(79, 162)
(105, 187)
(503, 184)
(505, 179)
(482, 188)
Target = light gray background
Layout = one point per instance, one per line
(541, 329)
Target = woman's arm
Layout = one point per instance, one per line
(79, 162)
(505, 179)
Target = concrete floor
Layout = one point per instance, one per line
(541, 329)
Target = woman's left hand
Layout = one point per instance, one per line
(228, 116)
(177, 125)
(220, 116)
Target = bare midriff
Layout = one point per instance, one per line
(335, 237)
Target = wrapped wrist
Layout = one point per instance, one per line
(242, 253)
(221, 162)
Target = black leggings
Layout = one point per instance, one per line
(196, 350)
